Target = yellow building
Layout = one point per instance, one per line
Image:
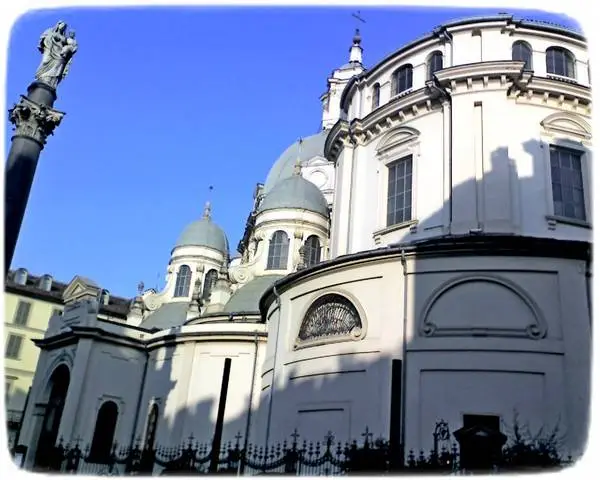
(29, 302)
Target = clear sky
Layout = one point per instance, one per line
(163, 102)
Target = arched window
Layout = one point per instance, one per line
(278, 251)
(435, 63)
(402, 79)
(521, 52)
(559, 61)
(184, 277)
(376, 93)
(209, 282)
(104, 432)
(331, 315)
(151, 427)
(312, 251)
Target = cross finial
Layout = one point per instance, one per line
(329, 437)
(140, 288)
(295, 435)
(359, 18)
(367, 434)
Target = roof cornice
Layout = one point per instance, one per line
(449, 245)
(443, 33)
(182, 337)
(386, 117)
(495, 69)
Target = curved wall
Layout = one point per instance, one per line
(476, 334)
(479, 136)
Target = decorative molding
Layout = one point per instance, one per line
(566, 123)
(536, 330)
(33, 120)
(397, 137)
(79, 290)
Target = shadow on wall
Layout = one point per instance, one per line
(486, 335)
(470, 340)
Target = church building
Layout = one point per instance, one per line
(425, 256)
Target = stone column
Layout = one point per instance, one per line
(34, 119)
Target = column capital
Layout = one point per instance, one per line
(33, 120)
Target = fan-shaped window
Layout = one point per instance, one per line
(209, 282)
(278, 251)
(312, 251)
(104, 432)
(521, 52)
(402, 79)
(435, 63)
(559, 61)
(376, 94)
(184, 277)
(331, 315)
(151, 427)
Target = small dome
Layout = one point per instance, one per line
(168, 315)
(245, 299)
(312, 146)
(295, 192)
(204, 233)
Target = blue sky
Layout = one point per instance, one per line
(163, 102)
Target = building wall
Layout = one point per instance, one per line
(18, 372)
(483, 356)
(483, 155)
(185, 379)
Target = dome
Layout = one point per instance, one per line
(295, 192)
(312, 146)
(204, 233)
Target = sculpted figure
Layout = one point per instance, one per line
(57, 52)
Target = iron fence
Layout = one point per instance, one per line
(295, 457)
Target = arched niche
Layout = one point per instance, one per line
(481, 305)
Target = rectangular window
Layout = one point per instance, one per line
(13, 346)
(399, 193)
(491, 422)
(567, 183)
(8, 383)
(22, 313)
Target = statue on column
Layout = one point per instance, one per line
(57, 48)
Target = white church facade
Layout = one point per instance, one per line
(425, 256)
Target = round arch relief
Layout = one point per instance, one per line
(461, 307)
(330, 318)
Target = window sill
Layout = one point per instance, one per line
(411, 224)
(403, 93)
(554, 219)
(561, 78)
